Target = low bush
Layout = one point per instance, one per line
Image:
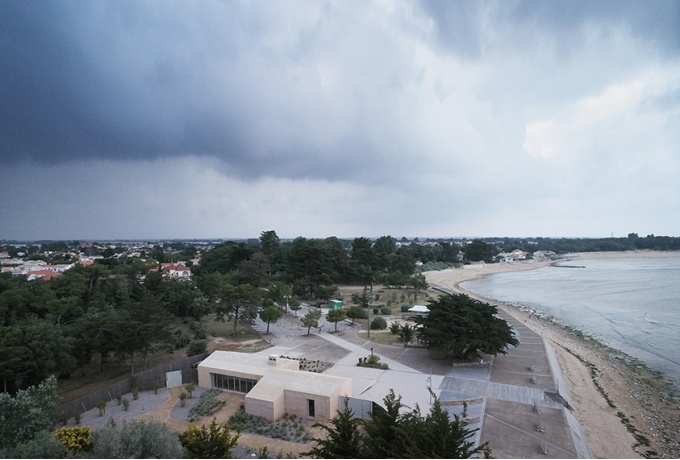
(205, 403)
(289, 428)
(78, 440)
(385, 311)
(180, 339)
(197, 347)
(378, 323)
(395, 327)
(198, 330)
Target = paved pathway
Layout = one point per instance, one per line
(512, 398)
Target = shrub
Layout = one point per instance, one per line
(205, 402)
(137, 439)
(197, 347)
(190, 387)
(126, 404)
(385, 311)
(78, 439)
(135, 393)
(43, 444)
(27, 413)
(198, 330)
(180, 339)
(395, 327)
(101, 405)
(378, 323)
(376, 311)
(357, 313)
(404, 308)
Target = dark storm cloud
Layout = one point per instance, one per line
(116, 80)
(125, 80)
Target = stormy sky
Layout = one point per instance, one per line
(222, 119)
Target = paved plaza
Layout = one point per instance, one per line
(518, 400)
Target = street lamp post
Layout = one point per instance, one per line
(368, 297)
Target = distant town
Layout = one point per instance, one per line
(48, 259)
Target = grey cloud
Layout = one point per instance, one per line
(125, 80)
(465, 26)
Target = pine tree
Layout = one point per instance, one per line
(344, 438)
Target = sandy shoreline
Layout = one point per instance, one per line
(616, 405)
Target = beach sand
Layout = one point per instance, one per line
(617, 405)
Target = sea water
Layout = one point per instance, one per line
(631, 304)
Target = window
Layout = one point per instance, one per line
(231, 383)
(310, 412)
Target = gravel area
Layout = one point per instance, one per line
(146, 402)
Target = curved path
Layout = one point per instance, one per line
(517, 400)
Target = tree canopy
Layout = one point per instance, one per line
(462, 327)
(396, 431)
(270, 315)
(311, 319)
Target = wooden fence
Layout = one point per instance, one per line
(143, 381)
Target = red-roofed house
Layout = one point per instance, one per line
(178, 270)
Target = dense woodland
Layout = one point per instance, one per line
(123, 308)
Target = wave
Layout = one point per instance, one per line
(651, 320)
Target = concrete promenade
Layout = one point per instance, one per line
(518, 400)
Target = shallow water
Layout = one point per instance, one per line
(629, 304)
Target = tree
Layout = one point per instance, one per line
(418, 282)
(384, 438)
(177, 296)
(239, 302)
(31, 411)
(311, 319)
(364, 260)
(97, 331)
(295, 306)
(396, 431)
(136, 439)
(270, 315)
(215, 441)
(254, 271)
(442, 437)
(324, 293)
(463, 327)
(479, 250)
(336, 315)
(33, 349)
(146, 327)
(343, 440)
(269, 244)
(406, 333)
(355, 313)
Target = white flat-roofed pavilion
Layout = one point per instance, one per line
(273, 385)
